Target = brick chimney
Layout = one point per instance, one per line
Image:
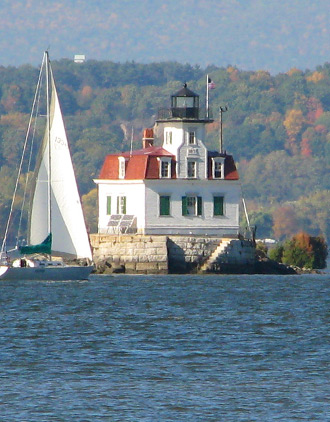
(148, 138)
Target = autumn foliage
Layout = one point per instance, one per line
(303, 251)
(277, 128)
(285, 222)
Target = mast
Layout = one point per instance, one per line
(48, 140)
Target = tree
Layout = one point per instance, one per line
(263, 221)
(313, 211)
(305, 251)
(293, 123)
(285, 222)
(89, 203)
(276, 253)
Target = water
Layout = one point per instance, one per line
(166, 348)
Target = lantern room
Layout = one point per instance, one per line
(185, 104)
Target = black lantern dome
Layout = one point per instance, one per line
(185, 104)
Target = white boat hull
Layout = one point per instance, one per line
(60, 273)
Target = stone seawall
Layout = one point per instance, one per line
(130, 254)
(158, 254)
(187, 253)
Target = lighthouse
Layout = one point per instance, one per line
(172, 185)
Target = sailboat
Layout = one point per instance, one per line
(58, 244)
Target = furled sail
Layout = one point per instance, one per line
(69, 234)
(43, 247)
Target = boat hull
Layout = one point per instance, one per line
(60, 273)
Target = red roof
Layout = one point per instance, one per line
(144, 164)
(140, 164)
(231, 172)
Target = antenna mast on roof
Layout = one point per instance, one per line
(221, 110)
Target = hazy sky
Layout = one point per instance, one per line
(274, 35)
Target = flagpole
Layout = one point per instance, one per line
(207, 96)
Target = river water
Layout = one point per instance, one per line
(166, 348)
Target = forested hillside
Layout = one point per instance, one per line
(277, 128)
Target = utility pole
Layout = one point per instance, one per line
(221, 110)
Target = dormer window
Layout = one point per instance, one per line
(191, 137)
(122, 167)
(218, 168)
(165, 168)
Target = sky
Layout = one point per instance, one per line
(273, 35)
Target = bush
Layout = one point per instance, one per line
(320, 249)
(305, 251)
(276, 253)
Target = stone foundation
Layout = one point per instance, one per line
(130, 253)
(141, 254)
(187, 253)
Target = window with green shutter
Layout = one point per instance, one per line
(121, 204)
(108, 205)
(218, 205)
(192, 205)
(164, 205)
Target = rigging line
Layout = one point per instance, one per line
(36, 113)
(252, 233)
(20, 165)
(246, 213)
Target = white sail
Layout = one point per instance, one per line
(67, 222)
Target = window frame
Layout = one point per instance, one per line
(121, 207)
(168, 137)
(191, 137)
(189, 163)
(163, 161)
(218, 161)
(121, 167)
(198, 205)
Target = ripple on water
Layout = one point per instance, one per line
(146, 348)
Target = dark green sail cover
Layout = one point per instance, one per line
(44, 247)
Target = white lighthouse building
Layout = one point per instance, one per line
(175, 188)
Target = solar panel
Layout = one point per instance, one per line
(120, 223)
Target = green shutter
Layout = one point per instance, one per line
(184, 206)
(124, 205)
(199, 205)
(164, 205)
(108, 205)
(218, 205)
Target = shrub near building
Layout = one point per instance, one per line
(303, 251)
